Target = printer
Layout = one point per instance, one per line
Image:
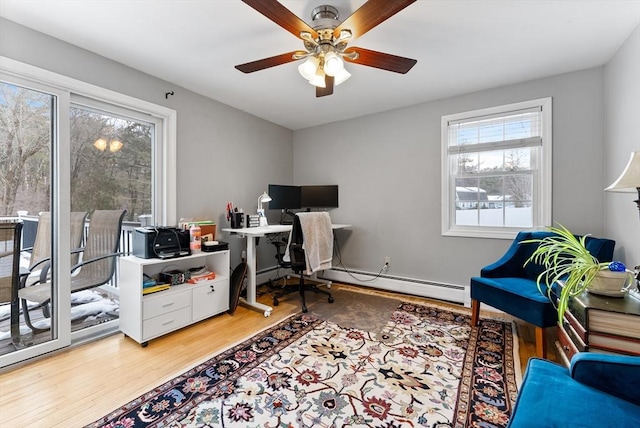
(160, 242)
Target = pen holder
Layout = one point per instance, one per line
(237, 220)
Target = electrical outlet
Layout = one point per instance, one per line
(387, 260)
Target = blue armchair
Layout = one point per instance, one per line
(511, 287)
(596, 391)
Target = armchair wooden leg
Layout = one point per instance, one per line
(541, 343)
(475, 312)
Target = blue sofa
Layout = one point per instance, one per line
(596, 391)
(511, 287)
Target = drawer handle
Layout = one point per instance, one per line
(167, 322)
(212, 289)
(166, 305)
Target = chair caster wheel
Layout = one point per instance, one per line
(330, 299)
(276, 302)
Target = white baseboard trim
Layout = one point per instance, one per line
(417, 287)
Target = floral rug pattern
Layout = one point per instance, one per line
(305, 372)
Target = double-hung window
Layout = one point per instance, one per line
(496, 166)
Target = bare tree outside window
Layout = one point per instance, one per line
(111, 162)
(25, 138)
(111, 156)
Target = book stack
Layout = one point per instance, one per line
(155, 288)
(604, 324)
(207, 228)
(207, 276)
(149, 285)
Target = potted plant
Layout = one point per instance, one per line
(565, 258)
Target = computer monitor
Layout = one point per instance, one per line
(284, 197)
(319, 196)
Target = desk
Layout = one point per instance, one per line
(252, 233)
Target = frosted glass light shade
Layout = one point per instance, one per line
(308, 68)
(332, 64)
(341, 76)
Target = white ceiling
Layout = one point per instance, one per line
(461, 46)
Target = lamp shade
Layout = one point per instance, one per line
(629, 180)
(308, 68)
(264, 198)
(332, 64)
(318, 80)
(341, 76)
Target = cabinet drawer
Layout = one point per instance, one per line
(210, 299)
(568, 348)
(162, 304)
(165, 323)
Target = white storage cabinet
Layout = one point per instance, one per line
(145, 317)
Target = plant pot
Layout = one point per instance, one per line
(608, 283)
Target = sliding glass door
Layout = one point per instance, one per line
(67, 150)
(111, 169)
(33, 193)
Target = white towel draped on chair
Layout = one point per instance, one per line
(318, 240)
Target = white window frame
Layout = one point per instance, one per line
(542, 176)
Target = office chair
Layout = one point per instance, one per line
(280, 245)
(298, 264)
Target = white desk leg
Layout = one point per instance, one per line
(251, 279)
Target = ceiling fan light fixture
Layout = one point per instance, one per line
(333, 64)
(341, 76)
(318, 79)
(309, 67)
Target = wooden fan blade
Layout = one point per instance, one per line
(261, 64)
(371, 14)
(282, 16)
(383, 61)
(328, 89)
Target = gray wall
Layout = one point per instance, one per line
(387, 165)
(224, 154)
(622, 136)
(388, 168)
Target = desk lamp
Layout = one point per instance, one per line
(263, 198)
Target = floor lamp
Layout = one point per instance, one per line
(629, 182)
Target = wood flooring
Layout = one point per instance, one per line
(75, 387)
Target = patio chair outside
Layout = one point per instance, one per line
(10, 234)
(96, 267)
(41, 250)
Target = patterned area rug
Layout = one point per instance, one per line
(426, 368)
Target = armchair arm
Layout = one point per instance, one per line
(510, 265)
(618, 375)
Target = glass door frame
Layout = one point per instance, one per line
(60, 206)
(164, 177)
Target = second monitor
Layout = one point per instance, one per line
(300, 197)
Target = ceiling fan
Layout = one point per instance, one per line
(325, 41)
